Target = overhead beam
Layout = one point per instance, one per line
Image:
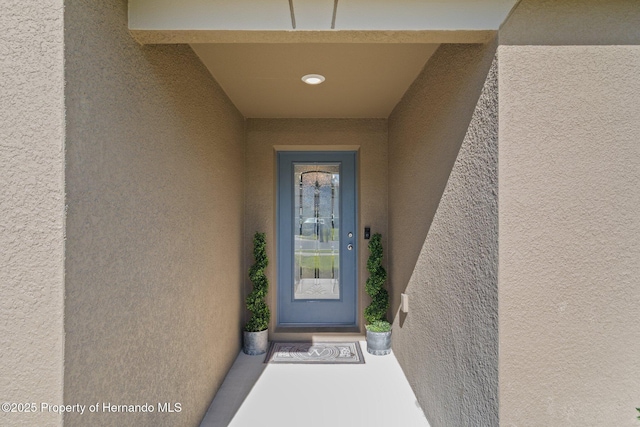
(220, 36)
(321, 21)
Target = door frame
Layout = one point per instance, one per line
(302, 156)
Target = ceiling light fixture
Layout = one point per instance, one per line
(313, 79)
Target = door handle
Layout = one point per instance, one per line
(350, 247)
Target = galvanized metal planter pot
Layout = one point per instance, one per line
(256, 342)
(379, 343)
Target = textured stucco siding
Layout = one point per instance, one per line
(569, 235)
(264, 136)
(572, 22)
(31, 207)
(569, 264)
(155, 223)
(443, 205)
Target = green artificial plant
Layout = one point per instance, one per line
(375, 314)
(255, 300)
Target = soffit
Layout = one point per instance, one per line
(362, 80)
(369, 50)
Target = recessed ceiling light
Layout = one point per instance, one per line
(313, 79)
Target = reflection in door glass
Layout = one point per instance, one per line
(316, 231)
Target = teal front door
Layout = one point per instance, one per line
(317, 244)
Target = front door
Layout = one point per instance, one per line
(316, 239)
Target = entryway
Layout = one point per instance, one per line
(316, 239)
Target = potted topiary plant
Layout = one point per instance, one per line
(256, 335)
(375, 315)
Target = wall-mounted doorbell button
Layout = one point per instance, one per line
(367, 233)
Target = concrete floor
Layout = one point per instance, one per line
(286, 395)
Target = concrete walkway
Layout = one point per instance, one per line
(291, 395)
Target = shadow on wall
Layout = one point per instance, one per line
(426, 130)
(444, 223)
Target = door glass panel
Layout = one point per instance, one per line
(316, 230)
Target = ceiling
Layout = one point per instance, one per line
(370, 51)
(363, 80)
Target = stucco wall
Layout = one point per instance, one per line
(443, 234)
(154, 230)
(31, 207)
(264, 136)
(569, 226)
(572, 22)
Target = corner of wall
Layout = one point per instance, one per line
(32, 202)
(443, 229)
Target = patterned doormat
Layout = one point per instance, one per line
(314, 353)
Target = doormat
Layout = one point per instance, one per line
(315, 353)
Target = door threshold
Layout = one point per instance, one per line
(318, 329)
(307, 334)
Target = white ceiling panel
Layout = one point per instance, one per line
(313, 14)
(209, 14)
(252, 15)
(422, 14)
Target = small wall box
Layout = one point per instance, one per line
(404, 303)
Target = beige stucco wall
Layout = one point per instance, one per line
(154, 181)
(266, 136)
(569, 226)
(31, 208)
(572, 22)
(443, 235)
